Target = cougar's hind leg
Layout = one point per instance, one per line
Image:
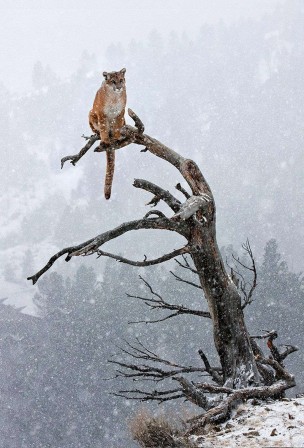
(120, 122)
(104, 131)
(93, 122)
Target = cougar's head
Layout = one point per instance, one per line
(116, 80)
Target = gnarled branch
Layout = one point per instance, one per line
(275, 352)
(263, 364)
(91, 246)
(188, 169)
(192, 393)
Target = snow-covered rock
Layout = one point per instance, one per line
(272, 424)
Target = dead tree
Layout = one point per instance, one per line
(242, 369)
(141, 364)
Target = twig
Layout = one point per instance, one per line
(266, 335)
(186, 265)
(159, 303)
(179, 279)
(212, 372)
(155, 212)
(236, 275)
(182, 190)
(166, 257)
(74, 159)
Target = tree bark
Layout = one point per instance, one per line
(231, 338)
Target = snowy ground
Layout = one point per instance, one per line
(272, 424)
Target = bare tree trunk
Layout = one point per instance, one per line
(231, 338)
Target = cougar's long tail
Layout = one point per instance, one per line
(109, 173)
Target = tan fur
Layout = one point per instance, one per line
(106, 118)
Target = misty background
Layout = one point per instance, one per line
(220, 82)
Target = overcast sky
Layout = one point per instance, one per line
(56, 32)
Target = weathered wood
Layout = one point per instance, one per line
(195, 220)
(159, 193)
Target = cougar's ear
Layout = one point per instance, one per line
(123, 71)
(105, 74)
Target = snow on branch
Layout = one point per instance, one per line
(222, 410)
(191, 206)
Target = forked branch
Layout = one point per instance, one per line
(156, 302)
(245, 287)
(188, 169)
(92, 246)
(186, 265)
(151, 367)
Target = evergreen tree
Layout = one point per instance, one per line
(66, 394)
(43, 76)
(279, 305)
(279, 289)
